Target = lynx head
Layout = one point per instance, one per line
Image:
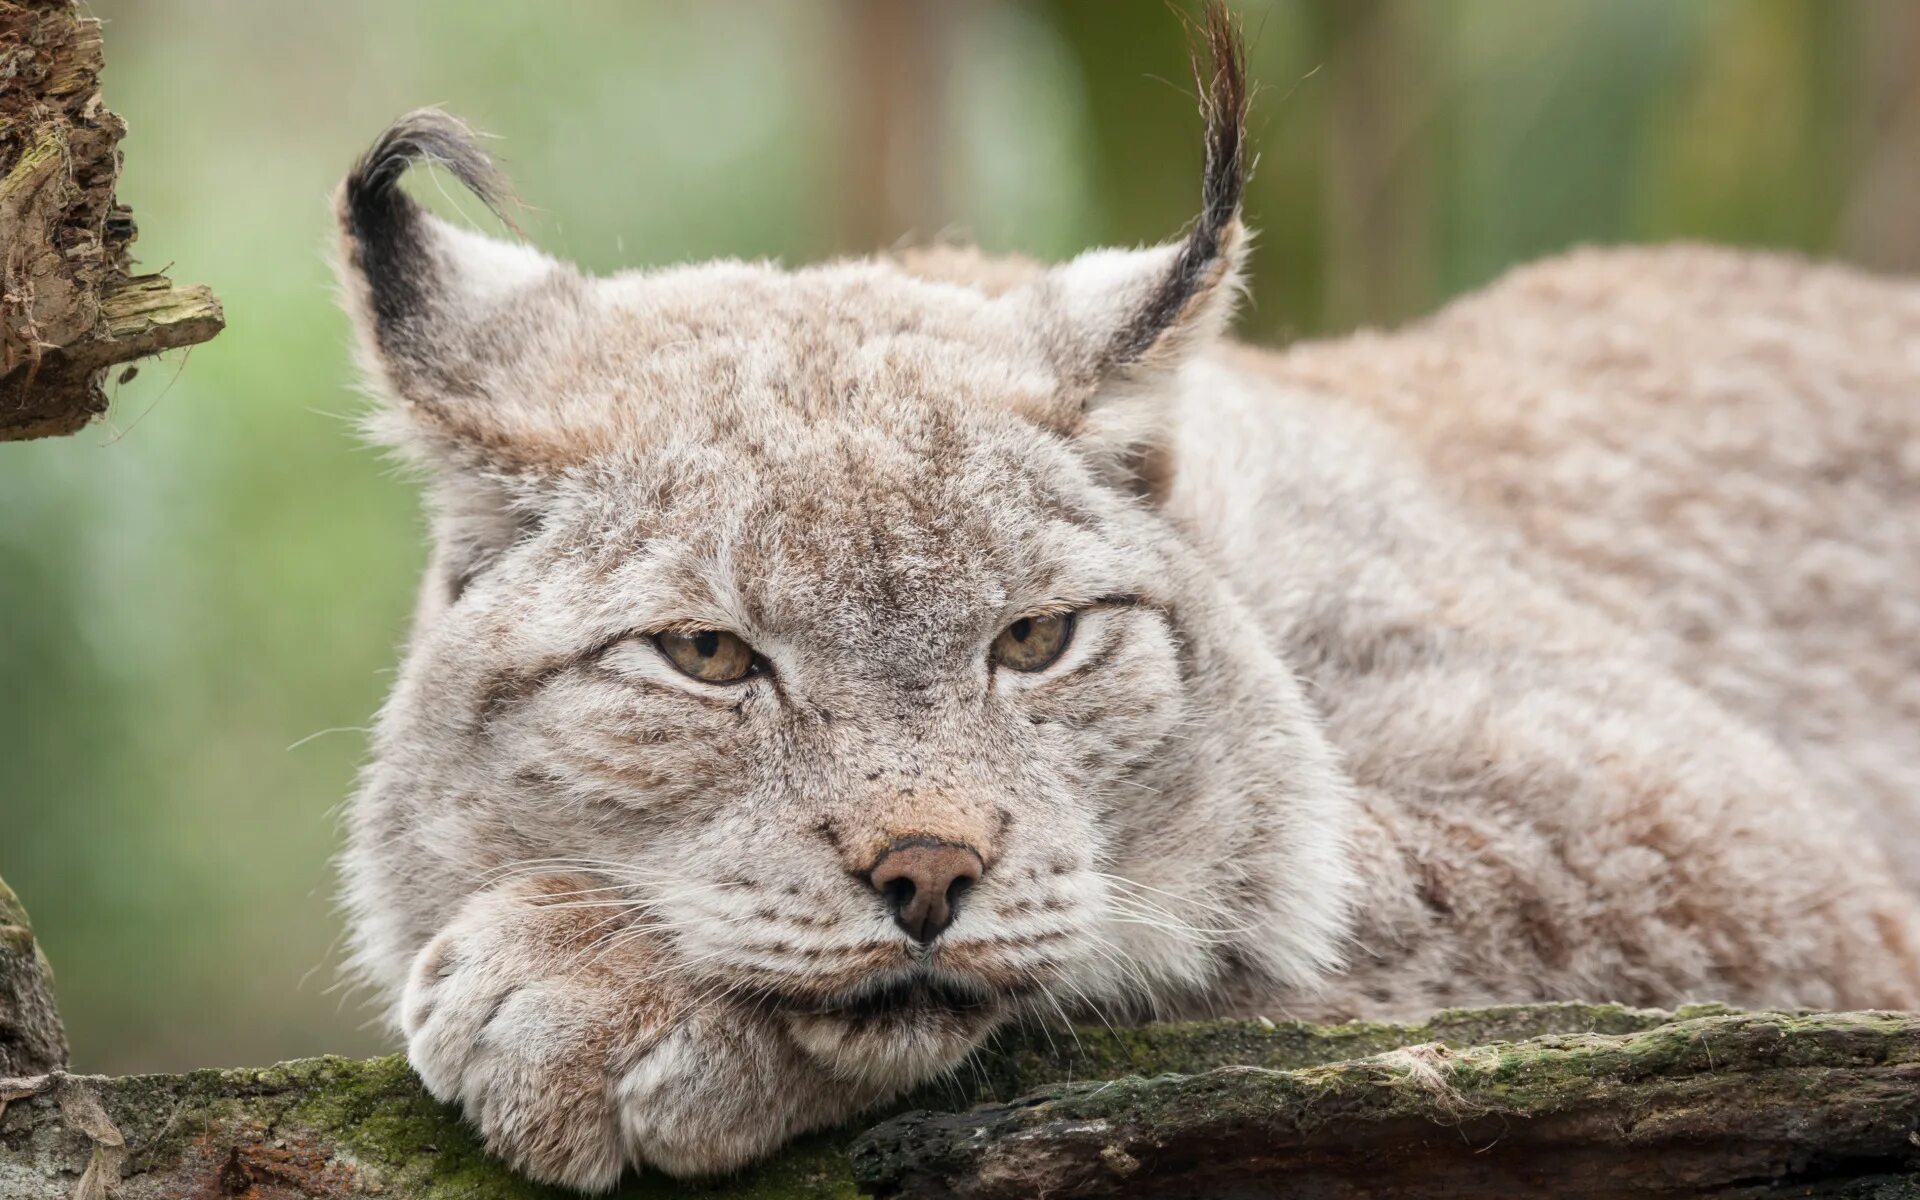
(834, 620)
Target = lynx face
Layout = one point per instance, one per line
(833, 620)
(871, 718)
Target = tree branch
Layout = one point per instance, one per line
(1734, 1105)
(1547, 1100)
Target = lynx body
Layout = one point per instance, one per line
(817, 669)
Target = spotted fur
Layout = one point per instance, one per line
(1444, 667)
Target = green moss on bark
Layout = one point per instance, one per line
(1608, 1094)
(1595, 1080)
(1710, 1104)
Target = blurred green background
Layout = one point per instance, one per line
(201, 598)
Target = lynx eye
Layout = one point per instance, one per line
(709, 655)
(1033, 643)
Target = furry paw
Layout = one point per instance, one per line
(577, 1052)
(508, 1014)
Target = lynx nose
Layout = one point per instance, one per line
(922, 880)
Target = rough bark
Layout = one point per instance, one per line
(1732, 1105)
(1546, 1100)
(31, 1039)
(69, 306)
(1716, 1100)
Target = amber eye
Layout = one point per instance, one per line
(709, 655)
(1033, 643)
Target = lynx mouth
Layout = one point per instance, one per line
(898, 997)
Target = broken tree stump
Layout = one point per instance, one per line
(31, 1038)
(70, 308)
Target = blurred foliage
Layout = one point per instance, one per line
(200, 600)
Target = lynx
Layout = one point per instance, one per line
(818, 669)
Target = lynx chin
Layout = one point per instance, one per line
(817, 669)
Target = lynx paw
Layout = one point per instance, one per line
(528, 1038)
(576, 1056)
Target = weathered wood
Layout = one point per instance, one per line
(338, 1128)
(68, 308)
(1731, 1105)
(31, 1038)
(1547, 1100)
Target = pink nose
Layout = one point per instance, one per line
(922, 880)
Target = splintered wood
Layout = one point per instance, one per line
(69, 308)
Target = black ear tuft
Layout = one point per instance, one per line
(1220, 72)
(387, 244)
(1118, 324)
(1223, 105)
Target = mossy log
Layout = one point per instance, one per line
(1824, 1104)
(70, 308)
(1543, 1100)
(1722, 1104)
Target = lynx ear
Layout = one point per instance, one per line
(457, 334)
(1120, 321)
(455, 328)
